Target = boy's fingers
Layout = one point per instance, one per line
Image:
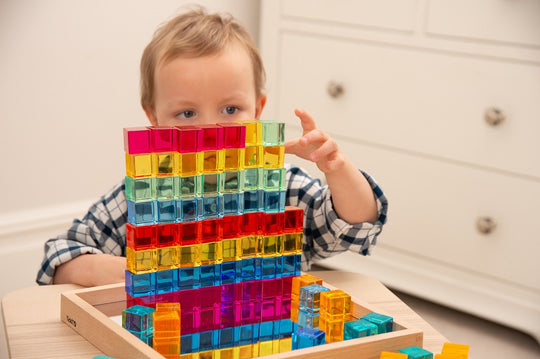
(291, 146)
(327, 149)
(307, 122)
(314, 137)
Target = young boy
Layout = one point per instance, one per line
(204, 68)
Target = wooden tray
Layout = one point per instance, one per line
(87, 311)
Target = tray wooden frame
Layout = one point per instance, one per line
(87, 311)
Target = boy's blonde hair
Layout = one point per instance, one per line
(193, 34)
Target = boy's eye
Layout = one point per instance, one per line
(230, 110)
(186, 114)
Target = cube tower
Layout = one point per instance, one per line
(208, 230)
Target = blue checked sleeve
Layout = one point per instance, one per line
(102, 230)
(325, 234)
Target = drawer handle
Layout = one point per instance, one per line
(486, 225)
(494, 116)
(335, 89)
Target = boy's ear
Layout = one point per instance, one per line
(259, 106)
(151, 114)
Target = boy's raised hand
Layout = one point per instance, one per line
(315, 145)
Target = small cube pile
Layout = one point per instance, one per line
(325, 316)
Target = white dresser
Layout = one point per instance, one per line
(440, 101)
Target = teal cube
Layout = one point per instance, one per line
(165, 187)
(138, 320)
(139, 189)
(212, 184)
(189, 186)
(416, 353)
(253, 178)
(273, 133)
(274, 179)
(233, 181)
(358, 329)
(383, 322)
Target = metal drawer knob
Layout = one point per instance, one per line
(494, 116)
(486, 225)
(335, 89)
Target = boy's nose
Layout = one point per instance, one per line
(207, 119)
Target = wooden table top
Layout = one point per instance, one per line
(34, 329)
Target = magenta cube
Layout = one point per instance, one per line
(285, 308)
(252, 291)
(162, 138)
(234, 135)
(231, 315)
(190, 321)
(287, 286)
(189, 298)
(188, 139)
(210, 297)
(272, 288)
(210, 319)
(231, 293)
(212, 138)
(251, 313)
(137, 140)
(268, 310)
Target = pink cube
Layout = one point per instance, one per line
(234, 135)
(137, 140)
(212, 138)
(163, 138)
(188, 139)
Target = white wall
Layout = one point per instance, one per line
(69, 84)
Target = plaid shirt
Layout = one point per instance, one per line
(103, 228)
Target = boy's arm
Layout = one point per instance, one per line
(325, 233)
(352, 195)
(91, 270)
(88, 253)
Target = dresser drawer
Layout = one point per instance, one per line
(515, 22)
(434, 207)
(426, 102)
(360, 12)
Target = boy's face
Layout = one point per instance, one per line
(206, 90)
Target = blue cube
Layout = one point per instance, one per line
(212, 207)
(189, 210)
(165, 211)
(233, 204)
(210, 275)
(140, 213)
(310, 297)
(189, 278)
(166, 281)
(189, 343)
(307, 338)
(138, 285)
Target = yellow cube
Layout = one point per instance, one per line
(233, 159)
(190, 256)
(273, 156)
(211, 253)
(165, 163)
(139, 165)
(138, 262)
(190, 164)
(167, 258)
